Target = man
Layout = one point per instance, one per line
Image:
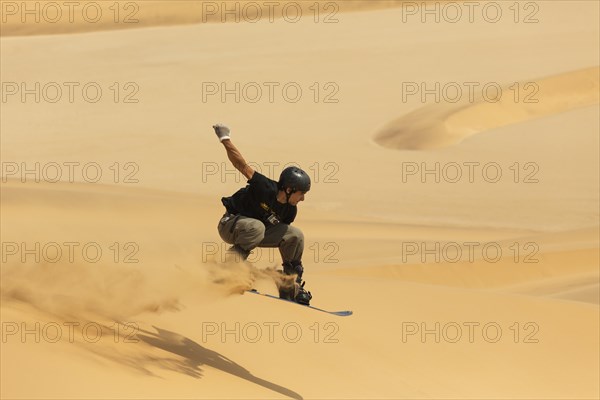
(260, 215)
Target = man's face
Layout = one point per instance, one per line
(296, 197)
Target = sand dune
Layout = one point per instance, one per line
(39, 18)
(152, 308)
(171, 297)
(577, 287)
(517, 265)
(446, 124)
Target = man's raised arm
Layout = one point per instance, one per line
(233, 153)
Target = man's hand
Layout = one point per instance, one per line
(222, 132)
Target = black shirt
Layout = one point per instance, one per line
(259, 200)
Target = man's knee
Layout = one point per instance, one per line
(294, 235)
(251, 232)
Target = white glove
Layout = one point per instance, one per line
(222, 132)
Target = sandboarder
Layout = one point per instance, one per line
(261, 214)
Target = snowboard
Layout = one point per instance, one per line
(338, 313)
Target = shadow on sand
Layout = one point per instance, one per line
(195, 356)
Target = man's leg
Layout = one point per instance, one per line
(290, 241)
(243, 233)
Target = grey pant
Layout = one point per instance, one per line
(250, 233)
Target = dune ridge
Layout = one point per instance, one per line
(123, 14)
(441, 125)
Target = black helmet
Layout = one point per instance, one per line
(295, 179)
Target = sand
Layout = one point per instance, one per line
(462, 232)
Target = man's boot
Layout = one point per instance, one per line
(296, 293)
